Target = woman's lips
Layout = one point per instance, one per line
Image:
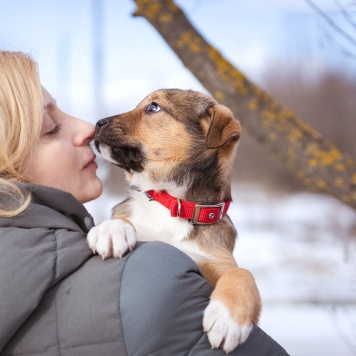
(91, 163)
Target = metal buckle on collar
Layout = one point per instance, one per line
(148, 196)
(179, 207)
(197, 208)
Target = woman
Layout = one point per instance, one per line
(56, 298)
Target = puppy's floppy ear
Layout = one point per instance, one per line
(223, 127)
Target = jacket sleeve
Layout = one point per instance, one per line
(162, 300)
(31, 261)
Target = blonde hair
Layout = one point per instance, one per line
(21, 118)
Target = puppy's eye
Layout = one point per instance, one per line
(153, 107)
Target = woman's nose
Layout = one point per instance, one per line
(101, 123)
(87, 133)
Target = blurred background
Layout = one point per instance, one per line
(98, 60)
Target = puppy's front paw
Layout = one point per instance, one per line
(234, 306)
(112, 238)
(222, 329)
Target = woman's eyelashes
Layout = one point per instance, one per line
(55, 130)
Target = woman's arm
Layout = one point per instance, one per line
(162, 300)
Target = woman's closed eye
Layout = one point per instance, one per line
(55, 130)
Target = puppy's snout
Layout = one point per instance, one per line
(101, 123)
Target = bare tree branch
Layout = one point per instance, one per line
(331, 23)
(332, 41)
(315, 160)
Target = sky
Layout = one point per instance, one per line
(61, 36)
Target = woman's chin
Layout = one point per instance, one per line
(92, 192)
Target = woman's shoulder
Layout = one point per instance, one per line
(163, 288)
(162, 268)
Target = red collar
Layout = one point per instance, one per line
(197, 213)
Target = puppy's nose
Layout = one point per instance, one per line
(101, 123)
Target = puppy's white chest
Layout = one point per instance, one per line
(154, 222)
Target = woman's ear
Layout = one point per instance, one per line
(223, 127)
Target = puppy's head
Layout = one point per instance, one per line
(170, 135)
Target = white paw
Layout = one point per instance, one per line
(222, 329)
(112, 238)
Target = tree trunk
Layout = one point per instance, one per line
(315, 160)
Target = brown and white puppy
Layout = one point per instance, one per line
(179, 146)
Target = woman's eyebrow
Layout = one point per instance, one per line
(49, 106)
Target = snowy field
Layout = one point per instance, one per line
(301, 249)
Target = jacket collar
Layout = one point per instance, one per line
(64, 210)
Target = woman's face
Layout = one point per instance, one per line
(63, 158)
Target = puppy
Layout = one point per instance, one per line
(177, 149)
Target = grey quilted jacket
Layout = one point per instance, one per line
(57, 299)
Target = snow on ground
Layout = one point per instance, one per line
(312, 330)
(301, 249)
